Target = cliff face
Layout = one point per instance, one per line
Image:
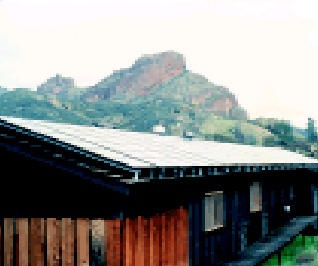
(56, 85)
(153, 77)
(164, 74)
(224, 105)
(145, 74)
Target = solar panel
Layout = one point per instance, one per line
(138, 149)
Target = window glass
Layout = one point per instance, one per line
(214, 210)
(255, 197)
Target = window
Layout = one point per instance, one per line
(255, 197)
(214, 210)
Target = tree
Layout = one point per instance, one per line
(312, 135)
(283, 130)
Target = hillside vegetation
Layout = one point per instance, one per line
(183, 102)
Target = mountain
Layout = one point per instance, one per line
(196, 90)
(57, 85)
(157, 91)
(165, 75)
(145, 74)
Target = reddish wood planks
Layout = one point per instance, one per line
(114, 256)
(82, 242)
(37, 241)
(139, 254)
(22, 242)
(53, 241)
(8, 242)
(185, 235)
(117, 256)
(67, 239)
(146, 225)
(151, 242)
(128, 243)
(161, 240)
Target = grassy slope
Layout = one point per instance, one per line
(168, 104)
(253, 134)
(289, 254)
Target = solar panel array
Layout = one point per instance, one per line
(138, 149)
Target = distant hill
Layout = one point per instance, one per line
(156, 91)
(56, 85)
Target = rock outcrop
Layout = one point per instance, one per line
(145, 74)
(56, 85)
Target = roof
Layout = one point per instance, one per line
(148, 150)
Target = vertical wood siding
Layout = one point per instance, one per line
(37, 241)
(23, 242)
(52, 242)
(160, 240)
(8, 242)
(67, 238)
(82, 242)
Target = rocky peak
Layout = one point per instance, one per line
(148, 72)
(56, 85)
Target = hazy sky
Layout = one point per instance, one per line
(264, 51)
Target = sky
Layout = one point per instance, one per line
(264, 51)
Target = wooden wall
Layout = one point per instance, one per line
(160, 240)
(212, 247)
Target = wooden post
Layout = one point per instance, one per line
(8, 242)
(23, 243)
(117, 243)
(168, 243)
(140, 242)
(37, 241)
(53, 241)
(67, 242)
(170, 240)
(157, 241)
(186, 233)
(146, 224)
(128, 258)
(151, 242)
(114, 256)
(163, 240)
(174, 237)
(82, 242)
(179, 239)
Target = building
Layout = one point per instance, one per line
(94, 196)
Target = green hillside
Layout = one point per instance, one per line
(2, 90)
(178, 116)
(184, 103)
